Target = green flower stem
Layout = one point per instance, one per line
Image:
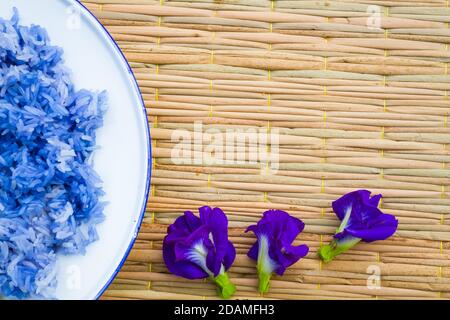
(225, 288)
(328, 252)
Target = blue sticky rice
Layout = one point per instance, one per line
(50, 195)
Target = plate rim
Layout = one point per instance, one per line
(148, 139)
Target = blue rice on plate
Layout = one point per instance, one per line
(50, 195)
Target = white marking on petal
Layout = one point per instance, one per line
(265, 263)
(198, 255)
(348, 212)
(222, 269)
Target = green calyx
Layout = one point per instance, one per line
(264, 282)
(328, 252)
(225, 288)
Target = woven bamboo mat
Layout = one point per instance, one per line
(356, 106)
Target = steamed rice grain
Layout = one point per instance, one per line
(50, 195)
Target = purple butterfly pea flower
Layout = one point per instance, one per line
(273, 249)
(197, 248)
(360, 220)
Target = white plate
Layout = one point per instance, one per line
(123, 160)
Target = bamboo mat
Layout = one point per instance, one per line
(355, 106)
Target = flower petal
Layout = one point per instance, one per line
(349, 203)
(375, 200)
(380, 230)
(292, 228)
(253, 252)
(183, 226)
(230, 255)
(218, 226)
(291, 255)
(197, 236)
(184, 268)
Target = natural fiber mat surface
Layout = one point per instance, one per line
(358, 91)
